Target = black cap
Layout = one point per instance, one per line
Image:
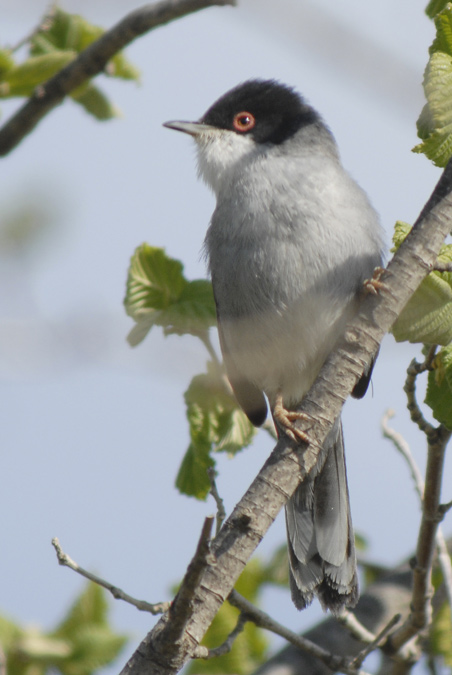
(265, 109)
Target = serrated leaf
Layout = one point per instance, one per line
(441, 634)
(215, 424)
(192, 478)
(72, 31)
(439, 387)
(158, 294)
(427, 317)
(89, 608)
(214, 416)
(434, 7)
(435, 122)
(235, 431)
(24, 78)
(93, 647)
(95, 102)
(194, 310)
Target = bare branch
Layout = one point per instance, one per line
(221, 512)
(442, 267)
(92, 61)
(66, 561)
(402, 446)
(404, 449)
(415, 369)
(265, 621)
(420, 615)
(355, 627)
(204, 653)
(359, 658)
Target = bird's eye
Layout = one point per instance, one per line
(243, 121)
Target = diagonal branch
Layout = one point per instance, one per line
(288, 465)
(93, 61)
(117, 593)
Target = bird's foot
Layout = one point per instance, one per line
(286, 421)
(375, 285)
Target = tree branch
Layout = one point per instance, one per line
(420, 615)
(66, 561)
(202, 652)
(93, 61)
(263, 620)
(288, 465)
(443, 555)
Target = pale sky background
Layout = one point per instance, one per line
(92, 431)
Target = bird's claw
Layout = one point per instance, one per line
(286, 421)
(375, 285)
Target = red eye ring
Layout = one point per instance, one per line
(243, 121)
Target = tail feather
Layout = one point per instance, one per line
(322, 557)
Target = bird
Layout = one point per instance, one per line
(290, 245)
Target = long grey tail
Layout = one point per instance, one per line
(322, 558)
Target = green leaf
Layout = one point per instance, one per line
(86, 628)
(24, 78)
(441, 634)
(80, 645)
(93, 647)
(72, 31)
(216, 424)
(427, 317)
(121, 67)
(250, 647)
(434, 7)
(158, 294)
(89, 608)
(95, 102)
(6, 62)
(10, 632)
(192, 478)
(439, 387)
(435, 122)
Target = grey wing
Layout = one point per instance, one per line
(249, 397)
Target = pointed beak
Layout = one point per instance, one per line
(192, 128)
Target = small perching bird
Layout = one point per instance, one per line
(291, 242)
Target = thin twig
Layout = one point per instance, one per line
(66, 561)
(372, 646)
(263, 620)
(202, 652)
(414, 369)
(355, 627)
(92, 61)
(221, 511)
(420, 616)
(402, 446)
(442, 267)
